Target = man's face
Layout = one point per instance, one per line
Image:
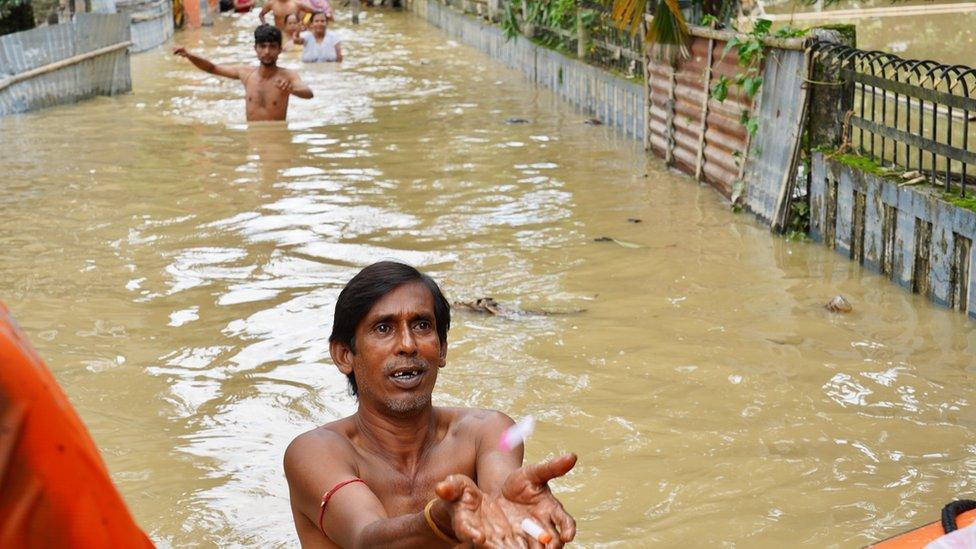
(268, 53)
(398, 352)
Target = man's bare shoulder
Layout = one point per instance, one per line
(476, 421)
(288, 73)
(243, 71)
(329, 443)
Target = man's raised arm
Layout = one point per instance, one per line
(264, 11)
(229, 71)
(318, 462)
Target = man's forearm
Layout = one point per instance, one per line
(201, 63)
(404, 532)
(304, 92)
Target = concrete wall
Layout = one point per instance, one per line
(615, 101)
(907, 233)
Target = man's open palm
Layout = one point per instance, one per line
(526, 494)
(476, 517)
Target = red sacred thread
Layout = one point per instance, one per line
(328, 496)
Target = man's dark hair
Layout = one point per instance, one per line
(368, 287)
(267, 33)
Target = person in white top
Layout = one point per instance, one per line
(317, 44)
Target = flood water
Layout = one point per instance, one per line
(948, 38)
(178, 272)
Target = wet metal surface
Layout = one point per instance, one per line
(178, 271)
(679, 112)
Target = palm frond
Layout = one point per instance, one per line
(628, 13)
(667, 33)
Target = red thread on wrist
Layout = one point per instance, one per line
(328, 495)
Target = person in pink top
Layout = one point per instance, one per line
(322, 6)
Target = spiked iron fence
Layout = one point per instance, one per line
(909, 114)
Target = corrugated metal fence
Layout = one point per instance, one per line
(775, 149)
(689, 130)
(614, 100)
(706, 138)
(152, 21)
(64, 63)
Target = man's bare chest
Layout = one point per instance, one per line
(282, 9)
(402, 493)
(264, 94)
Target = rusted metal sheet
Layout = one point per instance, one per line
(692, 132)
(106, 74)
(772, 161)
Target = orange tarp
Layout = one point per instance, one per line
(54, 488)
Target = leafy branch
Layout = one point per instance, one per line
(6, 6)
(751, 53)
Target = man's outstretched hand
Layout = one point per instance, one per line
(526, 494)
(475, 517)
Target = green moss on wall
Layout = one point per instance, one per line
(968, 203)
(859, 162)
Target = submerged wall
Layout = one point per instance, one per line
(615, 101)
(907, 233)
(152, 22)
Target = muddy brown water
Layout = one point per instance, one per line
(944, 37)
(178, 270)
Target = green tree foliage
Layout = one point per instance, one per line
(15, 16)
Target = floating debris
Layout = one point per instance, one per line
(488, 305)
(634, 220)
(786, 340)
(483, 305)
(514, 120)
(839, 305)
(593, 122)
(623, 243)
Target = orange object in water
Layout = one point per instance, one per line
(921, 536)
(54, 488)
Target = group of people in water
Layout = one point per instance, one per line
(268, 87)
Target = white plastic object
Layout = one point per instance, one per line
(533, 529)
(963, 538)
(516, 434)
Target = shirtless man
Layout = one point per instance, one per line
(401, 472)
(268, 86)
(281, 8)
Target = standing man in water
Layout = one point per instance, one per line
(400, 471)
(281, 8)
(267, 87)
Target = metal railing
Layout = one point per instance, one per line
(907, 113)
